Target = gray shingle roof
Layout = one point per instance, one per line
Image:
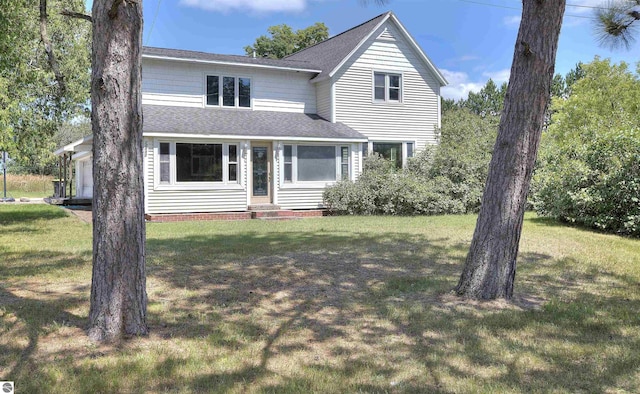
(329, 53)
(234, 59)
(236, 122)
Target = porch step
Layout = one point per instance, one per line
(263, 207)
(271, 214)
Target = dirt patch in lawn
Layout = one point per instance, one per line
(83, 213)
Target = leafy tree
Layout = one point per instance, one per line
(72, 130)
(283, 41)
(561, 86)
(590, 155)
(448, 105)
(488, 101)
(39, 97)
(118, 287)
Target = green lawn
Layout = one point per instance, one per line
(330, 305)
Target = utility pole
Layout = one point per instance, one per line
(4, 176)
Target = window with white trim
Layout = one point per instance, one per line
(315, 163)
(387, 87)
(197, 163)
(228, 91)
(287, 163)
(165, 163)
(344, 162)
(397, 152)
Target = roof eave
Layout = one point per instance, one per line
(80, 145)
(357, 47)
(201, 61)
(250, 137)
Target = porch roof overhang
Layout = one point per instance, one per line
(245, 124)
(84, 144)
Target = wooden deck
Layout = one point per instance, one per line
(68, 201)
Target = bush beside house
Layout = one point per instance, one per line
(445, 179)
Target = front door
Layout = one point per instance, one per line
(261, 173)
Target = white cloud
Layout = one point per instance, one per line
(467, 58)
(512, 20)
(248, 5)
(499, 76)
(460, 84)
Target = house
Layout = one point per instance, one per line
(223, 133)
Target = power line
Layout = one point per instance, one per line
(519, 9)
(595, 7)
(153, 22)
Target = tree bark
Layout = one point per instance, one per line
(490, 266)
(118, 287)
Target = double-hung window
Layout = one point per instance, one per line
(315, 163)
(387, 87)
(228, 91)
(197, 163)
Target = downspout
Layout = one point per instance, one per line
(332, 98)
(145, 170)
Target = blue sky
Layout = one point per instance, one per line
(470, 41)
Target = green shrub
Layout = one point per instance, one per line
(448, 178)
(589, 168)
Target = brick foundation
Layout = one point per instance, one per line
(181, 217)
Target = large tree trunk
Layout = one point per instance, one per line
(118, 286)
(490, 267)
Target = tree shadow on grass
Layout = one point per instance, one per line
(30, 318)
(562, 346)
(344, 294)
(26, 214)
(311, 285)
(28, 264)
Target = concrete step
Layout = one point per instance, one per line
(263, 207)
(271, 213)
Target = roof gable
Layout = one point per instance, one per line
(332, 52)
(330, 55)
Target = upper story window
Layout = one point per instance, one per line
(230, 91)
(387, 87)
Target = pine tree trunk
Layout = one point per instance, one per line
(490, 266)
(118, 287)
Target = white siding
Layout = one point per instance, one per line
(415, 118)
(221, 199)
(323, 98)
(300, 198)
(176, 83)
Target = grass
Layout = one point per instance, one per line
(32, 186)
(331, 305)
